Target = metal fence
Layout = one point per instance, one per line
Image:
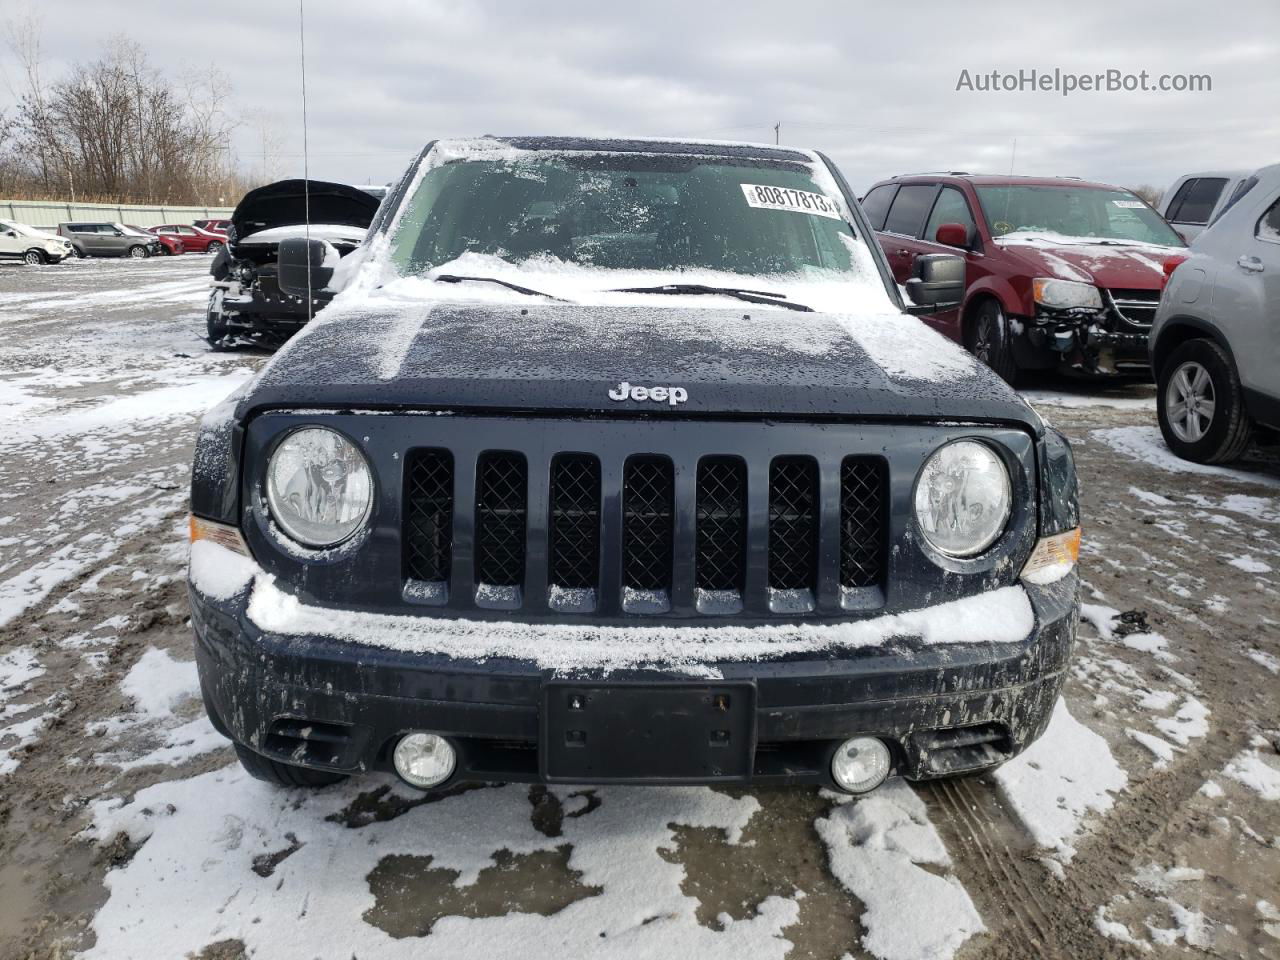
(50, 213)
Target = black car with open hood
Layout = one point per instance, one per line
(624, 461)
(246, 304)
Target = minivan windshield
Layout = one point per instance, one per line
(1083, 214)
(633, 212)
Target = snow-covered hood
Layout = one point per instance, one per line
(754, 361)
(1136, 267)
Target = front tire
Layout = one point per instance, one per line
(283, 774)
(34, 258)
(988, 339)
(139, 253)
(1200, 404)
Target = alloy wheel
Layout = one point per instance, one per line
(1190, 402)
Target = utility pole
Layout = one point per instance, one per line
(777, 132)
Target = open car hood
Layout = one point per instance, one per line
(753, 362)
(284, 204)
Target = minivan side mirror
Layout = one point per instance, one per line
(937, 284)
(296, 256)
(952, 235)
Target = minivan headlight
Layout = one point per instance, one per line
(963, 498)
(1065, 294)
(319, 487)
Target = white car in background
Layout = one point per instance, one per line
(20, 242)
(1198, 199)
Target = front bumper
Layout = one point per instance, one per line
(336, 705)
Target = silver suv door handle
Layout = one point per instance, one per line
(1252, 264)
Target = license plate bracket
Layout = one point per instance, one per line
(647, 732)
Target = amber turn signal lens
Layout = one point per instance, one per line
(219, 533)
(1053, 557)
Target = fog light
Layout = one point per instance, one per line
(860, 764)
(424, 760)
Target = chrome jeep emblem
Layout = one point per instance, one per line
(669, 395)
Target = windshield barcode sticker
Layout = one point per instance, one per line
(1129, 204)
(764, 197)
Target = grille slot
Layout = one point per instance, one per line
(428, 540)
(647, 515)
(501, 514)
(575, 532)
(862, 516)
(721, 518)
(793, 533)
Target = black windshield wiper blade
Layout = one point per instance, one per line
(527, 291)
(696, 289)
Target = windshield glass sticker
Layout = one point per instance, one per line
(1129, 204)
(764, 197)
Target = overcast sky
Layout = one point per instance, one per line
(874, 85)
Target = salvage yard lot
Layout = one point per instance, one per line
(1146, 822)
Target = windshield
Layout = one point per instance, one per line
(634, 212)
(1082, 213)
(130, 230)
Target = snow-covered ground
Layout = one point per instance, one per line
(1148, 814)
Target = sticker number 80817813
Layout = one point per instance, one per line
(765, 197)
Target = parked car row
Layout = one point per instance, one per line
(103, 238)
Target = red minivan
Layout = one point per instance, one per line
(1061, 274)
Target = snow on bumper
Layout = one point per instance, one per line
(960, 685)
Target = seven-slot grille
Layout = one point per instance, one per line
(650, 553)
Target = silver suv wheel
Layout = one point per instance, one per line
(1189, 401)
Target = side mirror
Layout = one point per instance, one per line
(298, 256)
(937, 284)
(952, 235)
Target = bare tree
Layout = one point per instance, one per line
(117, 129)
(1148, 193)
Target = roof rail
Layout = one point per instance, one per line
(935, 173)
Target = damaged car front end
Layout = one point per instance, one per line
(1090, 329)
(246, 304)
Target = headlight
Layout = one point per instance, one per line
(319, 487)
(963, 498)
(1065, 294)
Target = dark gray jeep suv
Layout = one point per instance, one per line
(621, 461)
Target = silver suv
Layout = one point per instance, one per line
(102, 239)
(1215, 342)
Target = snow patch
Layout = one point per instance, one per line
(1147, 445)
(998, 616)
(878, 847)
(1059, 779)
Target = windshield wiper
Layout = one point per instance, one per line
(527, 291)
(699, 289)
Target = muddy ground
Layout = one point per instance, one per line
(1147, 825)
